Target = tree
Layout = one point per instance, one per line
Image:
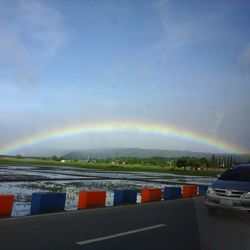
(19, 157)
(181, 162)
(55, 158)
(214, 161)
(231, 161)
(193, 163)
(204, 162)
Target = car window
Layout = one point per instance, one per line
(236, 174)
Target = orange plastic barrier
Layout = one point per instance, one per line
(6, 205)
(150, 194)
(189, 191)
(91, 198)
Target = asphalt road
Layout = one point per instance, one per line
(179, 224)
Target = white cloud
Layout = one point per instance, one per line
(44, 24)
(245, 56)
(27, 78)
(31, 32)
(218, 122)
(182, 26)
(11, 48)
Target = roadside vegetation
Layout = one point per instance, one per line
(182, 166)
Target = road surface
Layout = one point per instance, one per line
(179, 224)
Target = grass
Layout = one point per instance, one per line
(105, 166)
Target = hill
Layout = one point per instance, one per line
(130, 152)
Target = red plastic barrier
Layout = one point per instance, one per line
(189, 191)
(91, 198)
(6, 205)
(150, 194)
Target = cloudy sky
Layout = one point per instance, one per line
(179, 63)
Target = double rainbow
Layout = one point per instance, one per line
(116, 127)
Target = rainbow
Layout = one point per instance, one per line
(121, 126)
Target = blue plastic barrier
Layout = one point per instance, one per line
(124, 196)
(47, 202)
(203, 189)
(171, 193)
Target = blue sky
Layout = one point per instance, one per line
(185, 63)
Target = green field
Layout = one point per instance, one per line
(106, 166)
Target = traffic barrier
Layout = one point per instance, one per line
(203, 189)
(124, 196)
(189, 191)
(171, 193)
(47, 202)
(150, 194)
(91, 198)
(6, 205)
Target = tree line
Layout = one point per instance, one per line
(216, 161)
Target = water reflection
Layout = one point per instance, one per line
(72, 180)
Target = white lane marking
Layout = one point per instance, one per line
(120, 234)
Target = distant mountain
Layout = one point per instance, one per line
(130, 152)
(42, 152)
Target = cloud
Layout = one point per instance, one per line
(44, 25)
(28, 79)
(218, 122)
(11, 48)
(245, 56)
(31, 32)
(191, 23)
(179, 33)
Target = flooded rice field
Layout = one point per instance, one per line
(22, 181)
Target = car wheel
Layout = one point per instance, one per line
(211, 211)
